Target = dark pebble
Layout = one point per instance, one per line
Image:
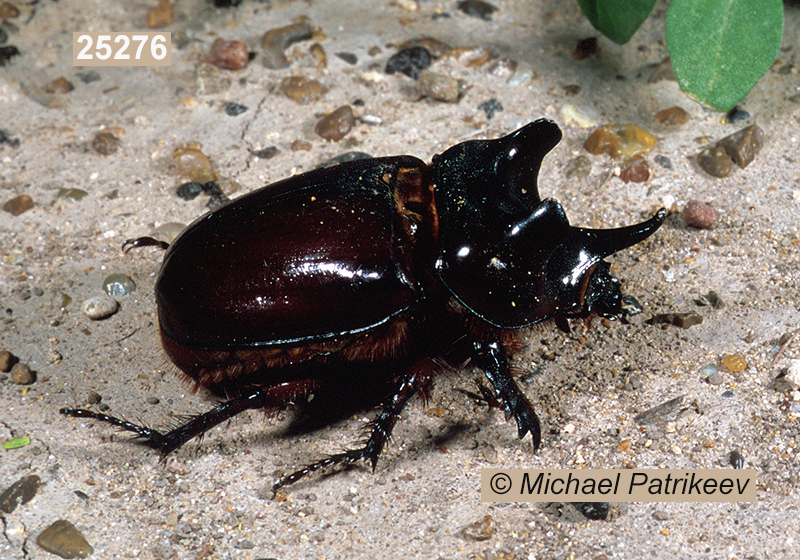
(118, 284)
(335, 125)
(742, 146)
(593, 510)
(105, 143)
(699, 214)
(6, 53)
(715, 161)
(7, 359)
(490, 107)
(585, 48)
(727, 394)
(218, 198)
(736, 115)
(715, 300)
(153, 400)
(345, 157)
(736, 460)
(660, 414)
(663, 161)
(572, 90)
(21, 374)
(233, 109)
(682, 320)
(477, 8)
(266, 153)
(19, 493)
(88, 77)
(63, 539)
(227, 3)
(72, 193)
(190, 190)
(5, 138)
(94, 397)
(349, 58)
(410, 61)
(3, 36)
(18, 205)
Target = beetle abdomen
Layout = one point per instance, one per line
(302, 261)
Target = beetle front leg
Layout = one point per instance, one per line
(382, 428)
(491, 358)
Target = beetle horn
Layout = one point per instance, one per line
(523, 153)
(604, 242)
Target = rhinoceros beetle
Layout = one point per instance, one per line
(380, 269)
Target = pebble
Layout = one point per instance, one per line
(620, 141)
(318, 52)
(7, 360)
(233, 109)
(661, 413)
(72, 194)
(736, 459)
(266, 153)
(698, 214)
(671, 116)
(335, 125)
(348, 57)
(193, 163)
(682, 320)
(737, 114)
(18, 205)
(735, 363)
(345, 157)
(585, 48)
(298, 145)
(63, 539)
(593, 510)
(21, 374)
(190, 190)
(793, 375)
(275, 41)
(99, 307)
(634, 170)
(744, 145)
(59, 85)
(6, 53)
(105, 143)
(502, 67)
(576, 116)
(435, 47)
(481, 530)
(161, 16)
(94, 397)
(663, 161)
(19, 493)
(740, 148)
(168, 231)
(409, 61)
(715, 161)
(301, 89)
(118, 284)
(6, 138)
(439, 86)
(477, 8)
(579, 167)
(210, 79)
(715, 378)
(229, 55)
(490, 107)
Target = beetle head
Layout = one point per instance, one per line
(509, 257)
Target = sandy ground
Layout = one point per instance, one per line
(213, 500)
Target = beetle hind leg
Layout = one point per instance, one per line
(382, 427)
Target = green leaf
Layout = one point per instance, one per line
(721, 48)
(16, 443)
(617, 19)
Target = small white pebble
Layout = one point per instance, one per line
(99, 307)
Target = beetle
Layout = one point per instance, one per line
(374, 273)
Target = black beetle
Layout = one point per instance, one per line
(385, 269)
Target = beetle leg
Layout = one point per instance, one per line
(166, 443)
(382, 428)
(491, 358)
